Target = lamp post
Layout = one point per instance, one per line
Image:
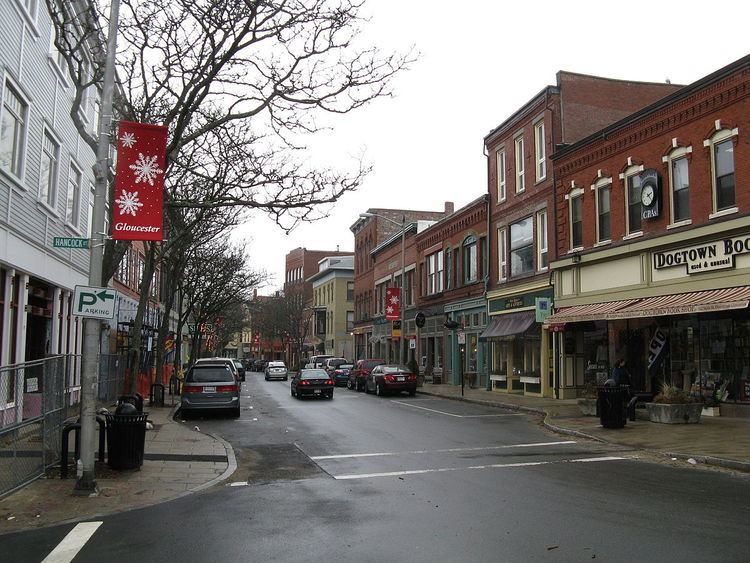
(402, 226)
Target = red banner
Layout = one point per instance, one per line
(138, 212)
(393, 303)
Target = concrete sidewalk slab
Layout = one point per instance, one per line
(720, 441)
(178, 460)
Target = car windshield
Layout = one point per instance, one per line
(238, 364)
(369, 364)
(208, 374)
(395, 369)
(337, 362)
(314, 374)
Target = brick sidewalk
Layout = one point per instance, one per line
(722, 441)
(178, 460)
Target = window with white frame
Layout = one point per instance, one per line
(541, 240)
(500, 164)
(603, 192)
(540, 149)
(722, 168)
(576, 220)
(633, 205)
(48, 169)
(73, 201)
(520, 182)
(470, 260)
(435, 272)
(502, 256)
(522, 247)
(56, 55)
(679, 185)
(13, 126)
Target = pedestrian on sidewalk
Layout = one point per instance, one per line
(620, 374)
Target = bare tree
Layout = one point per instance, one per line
(285, 316)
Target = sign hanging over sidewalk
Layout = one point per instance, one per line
(139, 182)
(95, 302)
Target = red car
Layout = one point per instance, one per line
(386, 378)
(362, 369)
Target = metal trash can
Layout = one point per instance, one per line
(126, 437)
(612, 406)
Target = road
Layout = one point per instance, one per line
(362, 478)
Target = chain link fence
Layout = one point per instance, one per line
(112, 370)
(36, 398)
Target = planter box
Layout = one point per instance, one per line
(674, 414)
(711, 411)
(588, 407)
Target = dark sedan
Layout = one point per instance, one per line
(360, 371)
(391, 378)
(341, 375)
(312, 383)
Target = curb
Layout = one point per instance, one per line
(231, 467)
(704, 459)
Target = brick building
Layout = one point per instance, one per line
(652, 216)
(520, 184)
(374, 228)
(453, 266)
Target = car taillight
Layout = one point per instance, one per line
(304, 382)
(192, 389)
(412, 378)
(388, 378)
(226, 389)
(329, 382)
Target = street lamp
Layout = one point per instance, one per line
(402, 226)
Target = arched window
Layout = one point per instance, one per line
(470, 259)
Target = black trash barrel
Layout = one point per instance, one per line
(126, 438)
(612, 403)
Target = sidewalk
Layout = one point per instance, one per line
(720, 441)
(178, 460)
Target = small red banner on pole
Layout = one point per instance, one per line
(393, 303)
(139, 183)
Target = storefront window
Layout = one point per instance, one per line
(527, 352)
(596, 353)
(471, 353)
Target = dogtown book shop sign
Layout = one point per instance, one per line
(716, 255)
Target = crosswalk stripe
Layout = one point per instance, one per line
(71, 544)
(473, 467)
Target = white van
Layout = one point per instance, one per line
(317, 361)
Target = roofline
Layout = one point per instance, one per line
(680, 94)
(481, 199)
(387, 242)
(317, 275)
(376, 209)
(524, 108)
(648, 82)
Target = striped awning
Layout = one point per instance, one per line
(663, 305)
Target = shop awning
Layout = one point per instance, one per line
(508, 324)
(663, 305)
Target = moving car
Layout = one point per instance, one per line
(312, 383)
(387, 378)
(276, 370)
(210, 386)
(240, 369)
(227, 361)
(341, 375)
(360, 372)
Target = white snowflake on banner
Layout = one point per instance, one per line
(128, 140)
(128, 202)
(389, 310)
(145, 169)
(394, 299)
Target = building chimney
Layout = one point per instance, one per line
(448, 208)
(337, 248)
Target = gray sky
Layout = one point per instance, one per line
(480, 60)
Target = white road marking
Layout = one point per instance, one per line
(239, 484)
(447, 450)
(71, 544)
(456, 415)
(473, 467)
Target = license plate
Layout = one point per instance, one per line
(399, 379)
(317, 391)
(209, 389)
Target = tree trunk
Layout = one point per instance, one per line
(148, 272)
(161, 339)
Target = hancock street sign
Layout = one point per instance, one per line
(95, 302)
(69, 242)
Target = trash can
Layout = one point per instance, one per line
(612, 403)
(126, 437)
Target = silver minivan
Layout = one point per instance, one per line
(208, 387)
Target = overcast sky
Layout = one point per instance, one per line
(480, 60)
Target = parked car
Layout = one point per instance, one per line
(312, 383)
(341, 375)
(210, 386)
(390, 378)
(276, 370)
(240, 369)
(330, 364)
(227, 361)
(260, 365)
(317, 361)
(360, 371)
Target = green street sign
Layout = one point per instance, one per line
(94, 302)
(69, 242)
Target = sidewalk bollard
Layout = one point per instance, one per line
(156, 395)
(67, 429)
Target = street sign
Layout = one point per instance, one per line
(461, 337)
(420, 319)
(69, 242)
(94, 302)
(412, 344)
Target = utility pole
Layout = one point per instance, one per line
(86, 479)
(403, 292)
